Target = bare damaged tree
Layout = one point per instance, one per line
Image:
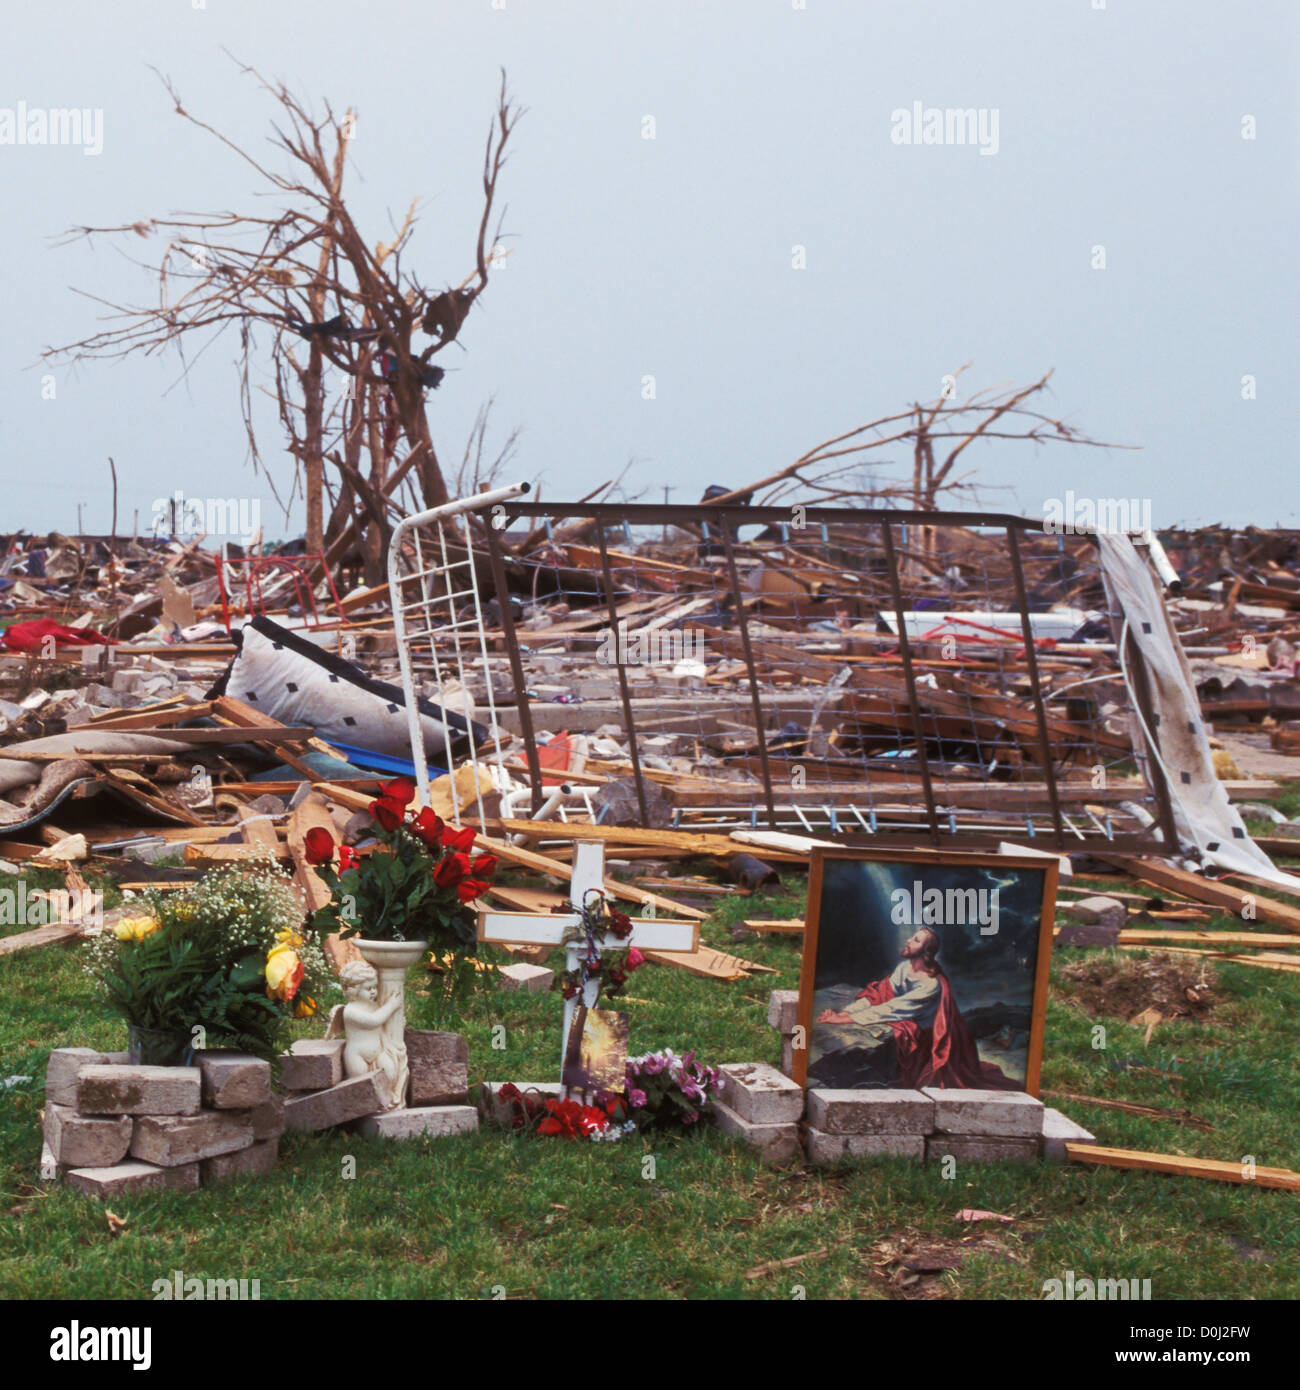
(306, 274)
(939, 434)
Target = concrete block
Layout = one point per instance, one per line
(760, 1094)
(787, 1054)
(349, 1100)
(1098, 911)
(234, 1080)
(115, 1089)
(831, 1148)
(1005, 1114)
(173, 1140)
(125, 1179)
(1058, 1131)
(312, 1064)
(268, 1119)
(776, 1143)
(870, 1111)
(783, 1009)
(426, 1122)
(534, 979)
(256, 1161)
(66, 1064)
(86, 1141)
(439, 1067)
(499, 1111)
(980, 1148)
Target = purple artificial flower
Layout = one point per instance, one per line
(636, 1099)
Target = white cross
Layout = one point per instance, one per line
(533, 929)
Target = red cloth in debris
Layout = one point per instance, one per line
(943, 1054)
(29, 637)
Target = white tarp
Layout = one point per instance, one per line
(1206, 821)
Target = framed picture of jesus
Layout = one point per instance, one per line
(925, 968)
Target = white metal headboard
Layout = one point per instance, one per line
(427, 588)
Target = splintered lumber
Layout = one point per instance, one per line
(127, 785)
(711, 964)
(684, 841)
(57, 933)
(1139, 936)
(1129, 1107)
(236, 712)
(792, 925)
(1249, 906)
(165, 712)
(529, 859)
(213, 856)
(259, 832)
(1183, 1167)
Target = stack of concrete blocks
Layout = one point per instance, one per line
(434, 1105)
(932, 1123)
(757, 1104)
(112, 1128)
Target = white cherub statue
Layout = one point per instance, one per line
(367, 1045)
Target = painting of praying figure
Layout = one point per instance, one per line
(925, 969)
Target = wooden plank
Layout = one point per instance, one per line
(793, 925)
(214, 856)
(1211, 1168)
(685, 841)
(1217, 894)
(1128, 1107)
(1138, 936)
(59, 933)
(258, 830)
(166, 712)
(282, 733)
(710, 963)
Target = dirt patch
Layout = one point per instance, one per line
(911, 1266)
(1127, 988)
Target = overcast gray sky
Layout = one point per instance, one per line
(1118, 127)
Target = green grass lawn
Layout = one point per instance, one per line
(492, 1215)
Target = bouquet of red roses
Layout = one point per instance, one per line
(415, 885)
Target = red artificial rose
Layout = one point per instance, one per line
(620, 924)
(348, 858)
(470, 888)
(399, 790)
(428, 826)
(389, 814)
(483, 865)
(452, 869)
(318, 844)
(462, 840)
(569, 1120)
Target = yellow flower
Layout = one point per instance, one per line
(305, 1007)
(284, 973)
(135, 928)
(289, 937)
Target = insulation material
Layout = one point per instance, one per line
(280, 674)
(1207, 823)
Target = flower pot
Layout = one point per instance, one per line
(159, 1047)
(391, 960)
